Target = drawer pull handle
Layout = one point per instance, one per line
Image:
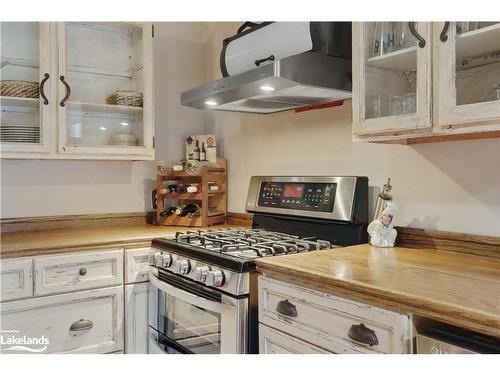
(81, 325)
(83, 271)
(286, 308)
(363, 334)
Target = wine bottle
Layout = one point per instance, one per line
(168, 212)
(173, 188)
(182, 188)
(203, 153)
(188, 209)
(196, 153)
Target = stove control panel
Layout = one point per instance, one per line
(306, 196)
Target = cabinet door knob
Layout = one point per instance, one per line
(443, 37)
(81, 325)
(83, 271)
(363, 334)
(42, 88)
(413, 31)
(286, 308)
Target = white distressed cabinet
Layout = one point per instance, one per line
(78, 65)
(293, 319)
(16, 279)
(440, 84)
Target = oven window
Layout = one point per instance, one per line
(192, 327)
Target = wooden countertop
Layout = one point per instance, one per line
(457, 289)
(20, 244)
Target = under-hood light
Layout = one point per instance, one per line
(211, 103)
(267, 88)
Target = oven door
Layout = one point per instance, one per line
(191, 318)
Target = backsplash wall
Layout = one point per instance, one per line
(446, 186)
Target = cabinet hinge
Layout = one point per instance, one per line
(153, 31)
(153, 142)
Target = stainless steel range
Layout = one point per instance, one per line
(204, 284)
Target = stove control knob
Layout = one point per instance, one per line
(153, 257)
(182, 266)
(215, 278)
(166, 260)
(200, 273)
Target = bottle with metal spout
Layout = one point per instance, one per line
(382, 199)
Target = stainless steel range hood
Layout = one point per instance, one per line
(303, 80)
(277, 66)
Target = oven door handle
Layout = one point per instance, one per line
(193, 299)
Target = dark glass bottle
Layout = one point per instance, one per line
(168, 212)
(190, 209)
(196, 153)
(173, 188)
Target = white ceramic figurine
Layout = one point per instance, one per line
(381, 230)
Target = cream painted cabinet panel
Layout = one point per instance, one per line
(468, 75)
(77, 271)
(276, 342)
(137, 265)
(136, 318)
(16, 278)
(391, 78)
(96, 59)
(80, 322)
(325, 320)
(27, 93)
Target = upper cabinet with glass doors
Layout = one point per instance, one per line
(102, 90)
(26, 89)
(391, 77)
(468, 55)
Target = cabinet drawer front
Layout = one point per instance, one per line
(325, 320)
(137, 265)
(78, 271)
(16, 279)
(81, 322)
(276, 342)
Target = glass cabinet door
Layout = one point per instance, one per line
(25, 94)
(469, 74)
(391, 77)
(104, 106)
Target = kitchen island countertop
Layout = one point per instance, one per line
(457, 289)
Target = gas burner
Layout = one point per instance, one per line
(250, 243)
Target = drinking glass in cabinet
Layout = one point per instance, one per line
(102, 89)
(409, 103)
(404, 38)
(395, 105)
(19, 83)
(496, 92)
(383, 38)
(376, 106)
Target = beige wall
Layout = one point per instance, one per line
(446, 186)
(51, 187)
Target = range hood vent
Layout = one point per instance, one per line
(314, 77)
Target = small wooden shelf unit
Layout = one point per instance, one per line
(205, 199)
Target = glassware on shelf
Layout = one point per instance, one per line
(404, 38)
(409, 103)
(193, 167)
(376, 106)
(163, 168)
(395, 105)
(496, 92)
(383, 38)
(410, 77)
(462, 27)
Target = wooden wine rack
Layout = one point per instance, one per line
(206, 199)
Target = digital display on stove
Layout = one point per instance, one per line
(293, 191)
(318, 197)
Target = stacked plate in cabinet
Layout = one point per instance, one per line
(19, 134)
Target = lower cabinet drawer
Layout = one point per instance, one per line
(78, 271)
(16, 278)
(81, 322)
(272, 341)
(336, 324)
